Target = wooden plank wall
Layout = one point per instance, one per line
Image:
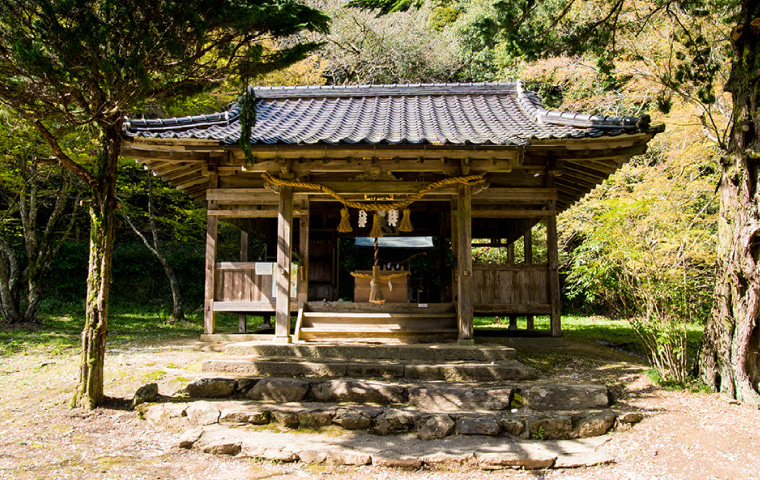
(237, 282)
(511, 284)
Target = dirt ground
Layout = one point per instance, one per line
(683, 435)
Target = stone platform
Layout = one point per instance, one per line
(392, 405)
(448, 362)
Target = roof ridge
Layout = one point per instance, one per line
(532, 105)
(395, 89)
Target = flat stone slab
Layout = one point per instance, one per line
(433, 353)
(562, 396)
(509, 370)
(497, 372)
(276, 368)
(384, 420)
(358, 391)
(451, 398)
(407, 451)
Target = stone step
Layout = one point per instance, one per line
(460, 452)
(518, 423)
(454, 372)
(426, 396)
(433, 353)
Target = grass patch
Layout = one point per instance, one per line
(618, 334)
(60, 331)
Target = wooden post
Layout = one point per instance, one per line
(242, 327)
(528, 249)
(511, 259)
(553, 262)
(212, 225)
(454, 234)
(464, 265)
(284, 250)
(303, 244)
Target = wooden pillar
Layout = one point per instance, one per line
(242, 327)
(511, 259)
(528, 249)
(303, 245)
(212, 226)
(553, 262)
(454, 235)
(464, 265)
(284, 250)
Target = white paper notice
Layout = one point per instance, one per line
(264, 268)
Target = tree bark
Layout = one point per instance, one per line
(730, 355)
(41, 248)
(9, 280)
(89, 392)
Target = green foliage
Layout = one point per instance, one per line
(645, 248)
(402, 47)
(247, 103)
(97, 59)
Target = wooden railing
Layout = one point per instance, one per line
(237, 288)
(511, 289)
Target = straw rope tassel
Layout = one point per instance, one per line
(377, 229)
(375, 292)
(406, 222)
(345, 221)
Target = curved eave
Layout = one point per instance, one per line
(579, 164)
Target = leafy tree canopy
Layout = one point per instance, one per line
(79, 61)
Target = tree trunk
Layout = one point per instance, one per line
(730, 356)
(89, 392)
(9, 278)
(41, 248)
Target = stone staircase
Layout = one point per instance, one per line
(371, 323)
(393, 405)
(447, 362)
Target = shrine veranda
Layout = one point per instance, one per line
(453, 162)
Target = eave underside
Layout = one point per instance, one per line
(577, 166)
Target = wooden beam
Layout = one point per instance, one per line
(454, 248)
(516, 195)
(362, 151)
(212, 224)
(303, 246)
(464, 265)
(614, 152)
(512, 213)
(164, 169)
(284, 251)
(191, 183)
(528, 260)
(257, 196)
(592, 169)
(513, 309)
(176, 174)
(242, 327)
(553, 261)
(577, 174)
(265, 213)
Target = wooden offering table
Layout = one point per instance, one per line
(396, 292)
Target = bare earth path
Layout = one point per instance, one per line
(683, 435)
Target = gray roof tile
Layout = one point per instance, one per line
(455, 114)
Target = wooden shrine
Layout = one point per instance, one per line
(455, 162)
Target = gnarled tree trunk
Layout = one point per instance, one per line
(89, 392)
(730, 357)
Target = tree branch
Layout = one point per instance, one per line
(78, 170)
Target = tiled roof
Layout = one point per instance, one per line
(445, 114)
